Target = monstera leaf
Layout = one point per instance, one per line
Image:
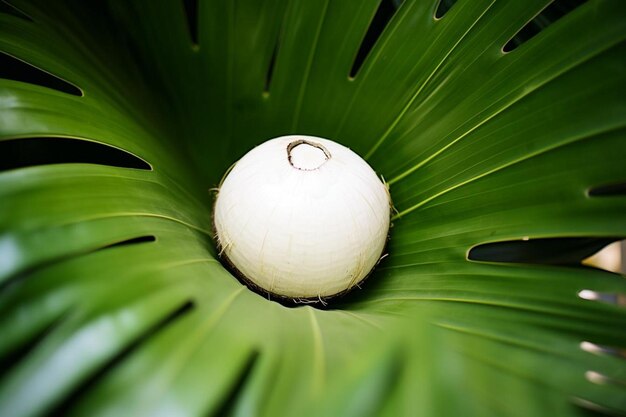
(503, 143)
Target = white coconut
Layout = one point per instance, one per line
(302, 217)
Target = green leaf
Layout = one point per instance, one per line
(113, 302)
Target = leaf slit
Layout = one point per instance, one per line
(21, 352)
(27, 152)
(601, 379)
(602, 350)
(230, 398)
(8, 8)
(15, 276)
(615, 299)
(591, 409)
(65, 406)
(270, 68)
(191, 14)
(541, 251)
(443, 7)
(549, 15)
(133, 241)
(385, 12)
(12, 68)
(608, 190)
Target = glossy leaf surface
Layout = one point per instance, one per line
(478, 146)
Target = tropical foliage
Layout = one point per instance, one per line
(113, 302)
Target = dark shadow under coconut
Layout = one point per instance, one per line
(322, 303)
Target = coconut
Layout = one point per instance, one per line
(302, 218)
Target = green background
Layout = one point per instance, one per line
(478, 145)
